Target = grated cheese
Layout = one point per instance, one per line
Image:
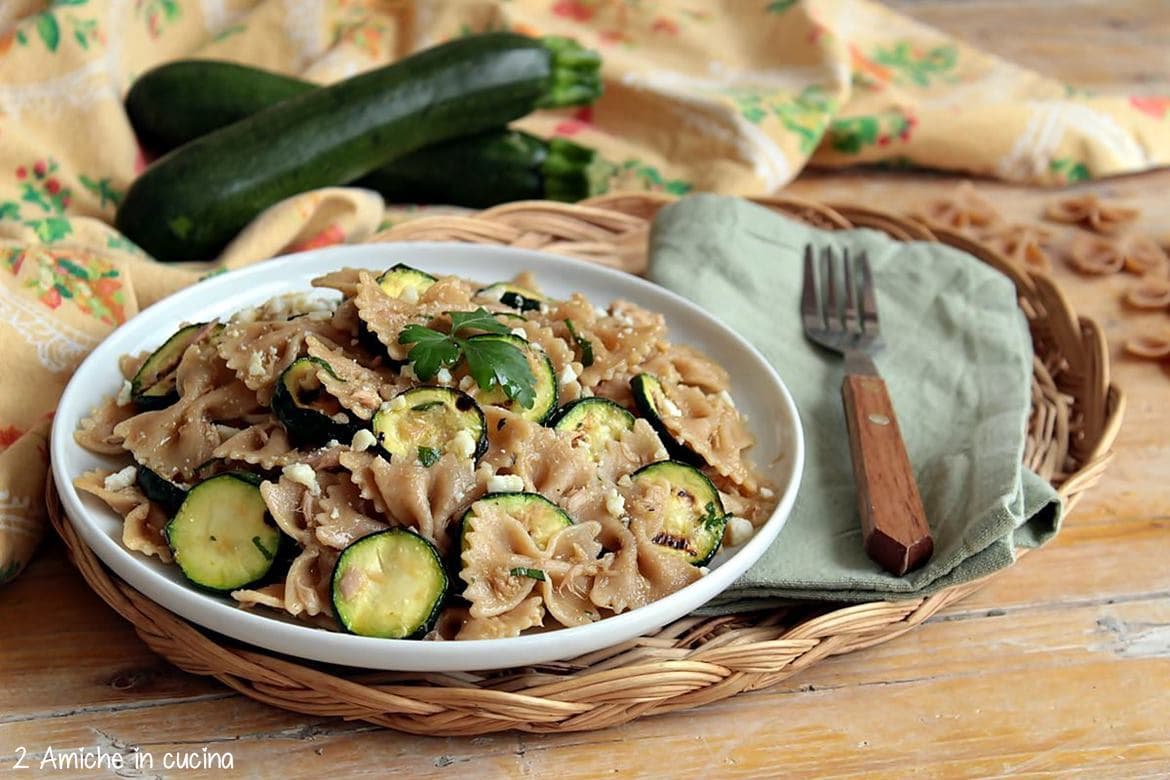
(256, 364)
(738, 531)
(123, 398)
(409, 294)
(120, 480)
(303, 474)
(463, 443)
(443, 376)
(363, 440)
(615, 503)
(568, 375)
(505, 483)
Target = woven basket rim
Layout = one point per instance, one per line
(1075, 419)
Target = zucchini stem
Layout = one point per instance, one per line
(576, 74)
(572, 172)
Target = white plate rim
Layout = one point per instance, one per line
(315, 644)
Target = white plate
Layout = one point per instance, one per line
(757, 390)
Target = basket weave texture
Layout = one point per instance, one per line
(1076, 413)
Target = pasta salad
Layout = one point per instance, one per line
(429, 457)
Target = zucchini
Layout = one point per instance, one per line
(306, 410)
(222, 536)
(396, 281)
(423, 423)
(540, 517)
(167, 494)
(690, 521)
(153, 387)
(190, 203)
(593, 421)
(519, 298)
(652, 402)
(542, 369)
(390, 584)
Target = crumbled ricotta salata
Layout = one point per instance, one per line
(409, 294)
(767, 492)
(520, 333)
(121, 479)
(727, 399)
(568, 375)
(704, 571)
(123, 398)
(443, 376)
(615, 503)
(303, 474)
(393, 405)
(466, 383)
(738, 531)
(256, 364)
(407, 372)
(505, 483)
(363, 440)
(625, 480)
(670, 407)
(463, 443)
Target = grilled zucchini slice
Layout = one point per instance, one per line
(653, 404)
(390, 584)
(398, 279)
(690, 522)
(306, 410)
(593, 421)
(153, 387)
(519, 298)
(161, 490)
(423, 423)
(542, 369)
(222, 536)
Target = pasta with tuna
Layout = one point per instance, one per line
(404, 455)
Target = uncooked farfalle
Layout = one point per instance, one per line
(963, 210)
(1151, 346)
(1025, 243)
(1095, 255)
(1149, 292)
(1092, 213)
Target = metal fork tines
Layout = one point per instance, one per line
(838, 304)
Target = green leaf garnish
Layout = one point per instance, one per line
(491, 362)
(583, 344)
(503, 365)
(480, 319)
(533, 574)
(432, 350)
(425, 406)
(428, 456)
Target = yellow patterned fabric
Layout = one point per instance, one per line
(733, 96)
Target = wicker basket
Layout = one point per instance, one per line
(1075, 416)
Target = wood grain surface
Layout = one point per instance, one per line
(1060, 665)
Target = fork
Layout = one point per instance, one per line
(840, 313)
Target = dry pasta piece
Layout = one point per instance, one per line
(1092, 213)
(1027, 244)
(1095, 256)
(1151, 346)
(963, 210)
(1144, 256)
(1150, 292)
(143, 523)
(95, 432)
(527, 614)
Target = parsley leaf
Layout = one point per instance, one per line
(497, 362)
(432, 350)
(428, 456)
(583, 344)
(480, 319)
(524, 571)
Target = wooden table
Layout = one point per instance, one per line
(1060, 664)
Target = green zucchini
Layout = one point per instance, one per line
(153, 386)
(423, 423)
(519, 298)
(167, 494)
(390, 584)
(540, 517)
(652, 402)
(691, 520)
(306, 409)
(222, 536)
(177, 102)
(594, 422)
(190, 203)
(542, 369)
(398, 279)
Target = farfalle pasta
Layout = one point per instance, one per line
(408, 456)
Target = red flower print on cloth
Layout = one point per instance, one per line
(327, 237)
(576, 10)
(1157, 107)
(8, 436)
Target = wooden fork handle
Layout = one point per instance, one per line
(893, 522)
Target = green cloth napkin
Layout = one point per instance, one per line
(958, 364)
